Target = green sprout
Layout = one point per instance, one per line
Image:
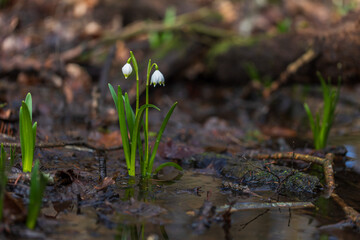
(3, 174)
(254, 75)
(157, 39)
(321, 127)
(37, 187)
(284, 26)
(27, 133)
(132, 124)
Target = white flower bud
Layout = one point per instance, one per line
(126, 70)
(157, 78)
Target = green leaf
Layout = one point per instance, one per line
(26, 138)
(136, 131)
(34, 127)
(2, 158)
(130, 115)
(37, 188)
(158, 138)
(123, 128)
(28, 101)
(114, 96)
(3, 179)
(310, 116)
(172, 164)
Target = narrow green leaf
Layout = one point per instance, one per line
(28, 101)
(2, 158)
(130, 115)
(114, 96)
(3, 179)
(22, 137)
(34, 127)
(136, 131)
(37, 188)
(26, 138)
(172, 164)
(310, 116)
(158, 138)
(123, 128)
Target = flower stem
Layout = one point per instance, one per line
(137, 81)
(146, 131)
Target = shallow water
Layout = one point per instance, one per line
(176, 223)
(352, 144)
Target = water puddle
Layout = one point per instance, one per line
(180, 200)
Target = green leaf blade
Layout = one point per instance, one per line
(37, 188)
(114, 96)
(172, 164)
(158, 138)
(26, 138)
(123, 128)
(136, 131)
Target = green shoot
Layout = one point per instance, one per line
(321, 127)
(3, 179)
(254, 75)
(157, 39)
(37, 187)
(27, 133)
(284, 25)
(3, 174)
(132, 125)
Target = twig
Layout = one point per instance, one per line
(274, 205)
(292, 68)
(350, 212)
(259, 215)
(185, 22)
(66, 144)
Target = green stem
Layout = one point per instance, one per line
(133, 59)
(146, 130)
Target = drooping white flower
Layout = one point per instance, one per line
(157, 78)
(126, 70)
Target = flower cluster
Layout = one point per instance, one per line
(156, 78)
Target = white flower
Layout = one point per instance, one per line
(126, 70)
(157, 78)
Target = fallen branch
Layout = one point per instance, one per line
(78, 145)
(292, 68)
(274, 205)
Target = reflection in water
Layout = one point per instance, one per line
(137, 232)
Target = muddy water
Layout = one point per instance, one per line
(180, 198)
